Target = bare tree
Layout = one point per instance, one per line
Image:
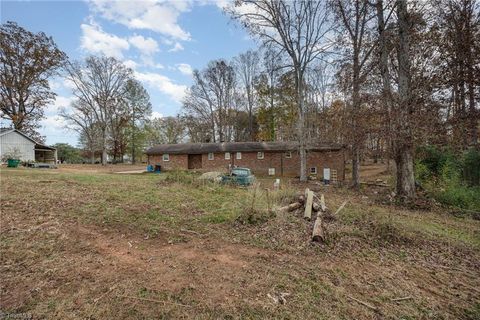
(403, 141)
(27, 60)
(300, 29)
(139, 110)
(166, 130)
(267, 92)
(460, 49)
(212, 98)
(248, 69)
(82, 120)
(101, 85)
(354, 18)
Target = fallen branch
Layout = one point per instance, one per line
(156, 301)
(189, 231)
(364, 303)
(374, 184)
(401, 299)
(341, 207)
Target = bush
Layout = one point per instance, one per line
(459, 196)
(452, 180)
(180, 176)
(471, 167)
(422, 172)
(254, 207)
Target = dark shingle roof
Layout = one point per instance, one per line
(199, 148)
(2, 130)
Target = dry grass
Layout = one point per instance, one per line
(96, 245)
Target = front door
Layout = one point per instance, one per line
(194, 161)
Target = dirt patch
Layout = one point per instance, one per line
(79, 247)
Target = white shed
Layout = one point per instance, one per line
(14, 141)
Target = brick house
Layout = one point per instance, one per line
(263, 158)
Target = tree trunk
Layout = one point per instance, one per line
(386, 86)
(404, 138)
(104, 147)
(357, 132)
(301, 127)
(355, 167)
(133, 136)
(405, 173)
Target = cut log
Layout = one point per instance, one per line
(291, 207)
(301, 199)
(318, 234)
(322, 203)
(308, 206)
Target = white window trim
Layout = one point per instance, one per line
(288, 154)
(238, 156)
(314, 170)
(167, 158)
(212, 156)
(260, 155)
(227, 155)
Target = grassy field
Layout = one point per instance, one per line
(89, 244)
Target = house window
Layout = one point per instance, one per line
(210, 156)
(239, 156)
(227, 155)
(313, 170)
(271, 171)
(260, 155)
(288, 154)
(166, 157)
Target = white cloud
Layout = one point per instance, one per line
(147, 46)
(130, 64)
(176, 47)
(54, 122)
(156, 115)
(156, 15)
(163, 84)
(185, 68)
(95, 40)
(60, 102)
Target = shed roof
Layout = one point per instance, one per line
(4, 131)
(200, 148)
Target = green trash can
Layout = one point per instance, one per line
(12, 163)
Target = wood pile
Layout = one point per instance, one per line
(310, 203)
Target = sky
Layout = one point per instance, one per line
(162, 41)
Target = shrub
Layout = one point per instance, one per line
(432, 158)
(459, 196)
(180, 176)
(422, 172)
(254, 207)
(452, 180)
(471, 167)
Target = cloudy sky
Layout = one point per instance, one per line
(162, 41)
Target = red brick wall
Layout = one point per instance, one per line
(177, 161)
(291, 166)
(217, 164)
